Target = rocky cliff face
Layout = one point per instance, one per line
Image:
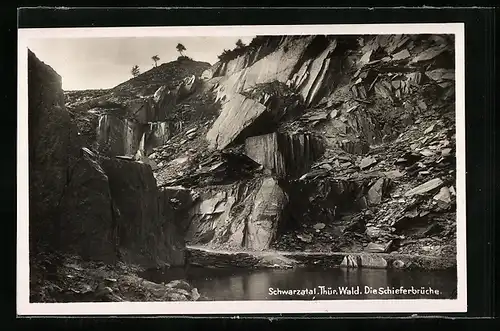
(345, 125)
(98, 207)
(245, 214)
(52, 151)
(139, 114)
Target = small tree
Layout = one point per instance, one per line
(135, 71)
(180, 48)
(240, 44)
(155, 58)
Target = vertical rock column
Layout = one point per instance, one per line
(51, 150)
(286, 155)
(266, 214)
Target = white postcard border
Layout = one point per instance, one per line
(24, 307)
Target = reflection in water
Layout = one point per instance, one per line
(238, 286)
(319, 284)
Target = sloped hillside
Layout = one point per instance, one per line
(169, 74)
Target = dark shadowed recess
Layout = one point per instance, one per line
(479, 98)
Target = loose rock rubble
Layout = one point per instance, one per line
(398, 187)
(67, 278)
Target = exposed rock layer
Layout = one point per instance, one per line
(121, 119)
(243, 215)
(287, 155)
(83, 203)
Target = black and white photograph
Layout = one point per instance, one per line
(245, 169)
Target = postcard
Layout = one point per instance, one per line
(241, 170)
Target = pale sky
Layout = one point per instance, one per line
(94, 63)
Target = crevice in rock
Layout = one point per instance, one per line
(264, 124)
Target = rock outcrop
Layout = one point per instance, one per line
(120, 120)
(237, 115)
(263, 221)
(52, 151)
(278, 65)
(286, 155)
(87, 224)
(83, 203)
(117, 136)
(144, 236)
(245, 215)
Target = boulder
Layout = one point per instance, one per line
(237, 115)
(375, 248)
(443, 195)
(398, 264)
(445, 152)
(404, 54)
(429, 53)
(373, 232)
(305, 237)
(372, 262)
(319, 226)
(440, 75)
(326, 166)
(367, 162)
(393, 174)
(207, 74)
(425, 187)
(376, 192)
